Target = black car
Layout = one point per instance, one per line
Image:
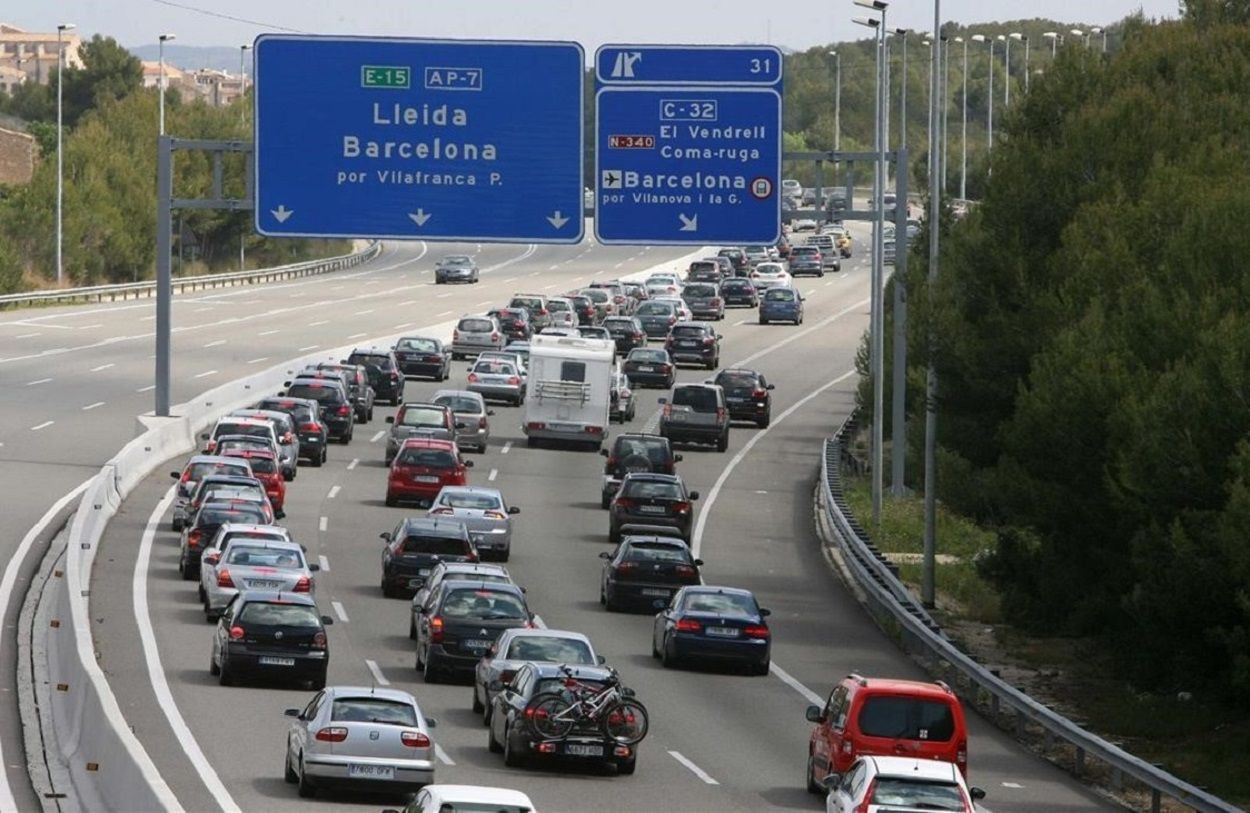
(415, 546)
(626, 331)
(510, 732)
(358, 388)
(739, 291)
(652, 499)
(656, 318)
(461, 620)
(584, 308)
(335, 407)
(273, 635)
(422, 356)
(635, 452)
(306, 415)
(647, 366)
(384, 375)
(645, 568)
(748, 395)
(514, 322)
(203, 526)
(713, 624)
(736, 256)
(694, 341)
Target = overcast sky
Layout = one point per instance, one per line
(797, 24)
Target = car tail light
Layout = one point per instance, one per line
(816, 256)
(720, 413)
(472, 556)
(495, 515)
(664, 368)
(505, 677)
(394, 376)
(494, 335)
(672, 320)
(608, 466)
(436, 629)
(594, 430)
(334, 733)
(681, 507)
(186, 475)
(639, 335)
(867, 804)
(688, 625)
(756, 631)
(625, 502)
(237, 633)
(224, 580)
(545, 748)
(668, 340)
(319, 640)
(304, 585)
(687, 573)
(345, 410)
(626, 567)
(514, 380)
(533, 425)
(708, 340)
(442, 509)
(759, 393)
(210, 446)
(716, 301)
(414, 739)
(193, 538)
(542, 311)
(481, 423)
(472, 378)
(455, 333)
(668, 410)
(961, 756)
(311, 427)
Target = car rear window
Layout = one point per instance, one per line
(799, 250)
(699, 289)
(459, 403)
(554, 650)
(573, 371)
(720, 603)
(423, 416)
(438, 458)
(656, 451)
(699, 399)
(321, 393)
(254, 556)
(595, 295)
(242, 514)
(557, 685)
(648, 356)
(417, 345)
(651, 552)
(655, 309)
(272, 614)
(437, 545)
(263, 465)
(653, 490)
(379, 360)
(476, 325)
(470, 499)
(372, 710)
(558, 305)
(736, 380)
(704, 266)
(896, 792)
(899, 717)
(201, 470)
(735, 284)
(618, 324)
(483, 604)
(779, 295)
(494, 367)
(688, 331)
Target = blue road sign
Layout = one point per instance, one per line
(687, 165)
(419, 139)
(737, 65)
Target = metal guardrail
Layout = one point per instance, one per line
(897, 610)
(127, 290)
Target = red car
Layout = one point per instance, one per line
(421, 469)
(266, 469)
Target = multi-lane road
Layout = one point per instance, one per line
(719, 741)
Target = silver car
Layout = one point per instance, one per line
(370, 738)
(517, 646)
(470, 410)
(253, 564)
(419, 420)
(288, 438)
(189, 478)
(220, 544)
(464, 571)
(497, 380)
(562, 312)
(473, 334)
(484, 513)
(455, 268)
(510, 353)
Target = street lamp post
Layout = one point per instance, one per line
(1100, 30)
(243, 49)
(1053, 36)
(837, 100)
(60, 163)
(902, 105)
(1006, 41)
(945, 110)
(163, 38)
(928, 582)
(990, 120)
(1079, 34)
(963, 138)
(1018, 37)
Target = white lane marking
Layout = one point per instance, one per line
(533, 273)
(325, 564)
(201, 310)
(258, 360)
(93, 406)
(510, 279)
(364, 312)
(827, 284)
(710, 500)
(442, 755)
(443, 296)
(1013, 785)
(553, 267)
(156, 671)
(549, 287)
(506, 448)
(38, 381)
(444, 313)
(741, 322)
(406, 302)
(694, 769)
(793, 682)
(377, 673)
(538, 622)
(357, 335)
(333, 492)
(381, 433)
(101, 367)
(309, 347)
(319, 322)
(87, 327)
(323, 523)
(205, 374)
(355, 462)
(618, 265)
(483, 303)
(43, 425)
(269, 332)
(148, 388)
(800, 334)
(493, 474)
(402, 326)
(339, 610)
(29, 335)
(217, 343)
(335, 288)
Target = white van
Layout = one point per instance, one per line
(569, 389)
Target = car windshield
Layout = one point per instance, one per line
(656, 552)
(891, 791)
(423, 416)
(720, 603)
(475, 325)
(736, 380)
(595, 295)
(653, 490)
(552, 649)
(457, 259)
(250, 555)
(779, 295)
(655, 309)
(558, 305)
(435, 458)
(654, 450)
(321, 393)
(372, 710)
(237, 513)
(648, 356)
(278, 614)
(470, 499)
(439, 545)
(460, 403)
(483, 604)
(907, 718)
(688, 332)
(699, 399)
(418, 345)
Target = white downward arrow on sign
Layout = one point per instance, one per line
(281, 213)
(557, 219)
(689, 223)
(419, 217)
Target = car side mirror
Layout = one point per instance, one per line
(698, 563)
(815, 714)
(603, 554)
(831, 781)
(385, 535)
(514, 510)
(327, 620)
(291, 712)
(661, 400)
(659, 604)
(765, 612)
(490, 412)
(602, 453)
(212, 558)
(313, 567)
(175, 474)
(694, 495)
(344, 361)
(203, 436)
(676, 458)
(390, 419)
(977, 794)
(468, 464)
(771, 387)
(431, 722)
(599, 659)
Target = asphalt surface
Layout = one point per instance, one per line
(719, 740)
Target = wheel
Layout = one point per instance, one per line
(412, 628)
(288, 773)
(419, 664)
(531, 442)
(223, 674)
(306, 789)
(325, 455)
(510, 757)
(491, 745)
(605, 500)
(438, 280)
(428, 671)
(369, 415)
(625, 767)
(213, 669)
(655, 653)
(667, 658)
(713, 364)
(812, 785)
(199, 590)
(763, 422)
(175, 524)
(611, 604)
(507, 554)
(319, 682)
(763, 321)
(548, 716)
(478, 708)
(760, 668)
(722, 443)
(626, 722)
(391, 502)
(387, 592)
(820, 273)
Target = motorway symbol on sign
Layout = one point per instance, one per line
(684, 65)
(420, 139)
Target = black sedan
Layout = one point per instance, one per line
(720, 624)
(462, 621)
(275, 635)
(739, 291)
(651, 499)
(626, 331)
(648, 566)
(646, 367)
(514, 322)
(747, 394)
(422, 356)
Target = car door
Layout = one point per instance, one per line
(832, 729)
(423, 626)
(224, 622)
(297, 742)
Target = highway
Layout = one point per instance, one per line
(719, 740)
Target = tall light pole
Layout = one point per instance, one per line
(1018, 37)
(990, 121)
(243, 49)
(877, 310)
(161, 52)
(1079, 34)
(944, 112)
(1100, 30)
(902, 105)
(1006, 41)
(928, 585)
(837, 100)
(1053, 36)
(963, 138)
(60, 163)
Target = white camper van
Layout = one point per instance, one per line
(569, 389)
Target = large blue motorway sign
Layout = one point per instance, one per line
(419, 139)
(688, 144)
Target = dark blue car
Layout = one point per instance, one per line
(703, 623)
(781, 305)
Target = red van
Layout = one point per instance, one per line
(879, 717)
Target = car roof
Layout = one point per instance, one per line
(911, 768)
(530, 632)
(714, 588)
(251, 527)
(276, 543)
(652, 477)
(649, 436)
(211, 458)
(701, 325)
(456, 394)
(242, 419)
(249, 453)
(228, 479)
(474, 567)
(448, 584)
(436, 525)
(370, 691)
(693, 385)
(896, 686)
(737, 370)
(420, 442)
(640, 532)
(277, 597)
(529, 296)
(478, 794)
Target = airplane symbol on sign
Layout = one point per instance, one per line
(611, 180)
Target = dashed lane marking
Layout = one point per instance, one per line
(339, 610)
(694, 769)
(377, 673)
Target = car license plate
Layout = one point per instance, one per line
(735, 400)
(651, 509)
(579, 750)
(264, 584)
(370, 771)
(477, 643)
(646, 369)
(266, 660)
(678, 417)
(654, 591)
(426, 478)
(723, 632)
(415, 584)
